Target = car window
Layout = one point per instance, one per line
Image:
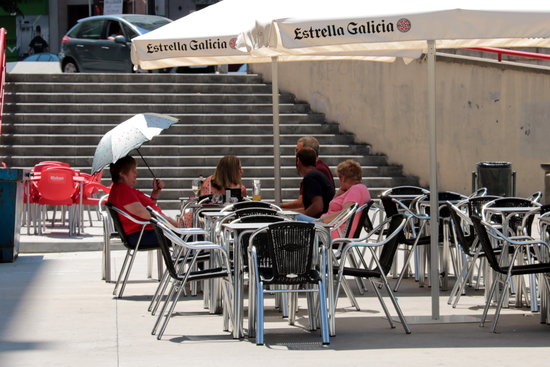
(146, 22)
(129, 32)
(113, 29)
(89, 30)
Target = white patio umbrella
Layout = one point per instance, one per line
(209, 37)
(358, 25)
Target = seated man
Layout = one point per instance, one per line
(309, 142)
(317, 191)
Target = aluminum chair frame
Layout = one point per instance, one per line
(258, 285)
(181, 276)
(484, 231)
(178, 257)
(131, 251)
(396, 224)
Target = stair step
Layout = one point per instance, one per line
(164, 108)
(115, 118)
(63, 117)
(136, 98)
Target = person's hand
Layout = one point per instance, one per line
(158, 185)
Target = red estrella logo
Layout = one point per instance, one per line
(403, 25)
(233, 43)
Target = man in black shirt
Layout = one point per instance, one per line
(38, 44)
(316, 188)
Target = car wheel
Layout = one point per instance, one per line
(70, 67)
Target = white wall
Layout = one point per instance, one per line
(486, 111)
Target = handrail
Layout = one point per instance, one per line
(3, 33)
(502, 51)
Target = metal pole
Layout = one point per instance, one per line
(434, 202)
(276, 137)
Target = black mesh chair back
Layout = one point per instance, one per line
(388, 250)
(164, 245)
(390, 207)
(290, 250)
(514, 202)
(251, 204)
(444, 196)
(254, 211)
(476, 203)
(259, 240)
(405, 194)
(486, 244)
(364, 222)
(465, 241)
(118, 225)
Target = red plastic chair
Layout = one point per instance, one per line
(92, 192)
(58, 186)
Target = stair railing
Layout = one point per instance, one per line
(3, 33)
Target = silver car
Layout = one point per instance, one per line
(102, 43)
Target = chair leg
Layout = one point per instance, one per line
(324, 314)
(164, 306)
(496, 281)
(395, 304)
(122, 269)
(161, 288)
(293, 307)
(404, 269)
(382, 303)
(499, 304)
(464, 281)
(168, 315)
(260, 314)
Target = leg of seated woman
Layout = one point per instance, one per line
(148, 240)
(305, 218)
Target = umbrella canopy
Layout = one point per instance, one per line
(326, 27)
(209, 37)
(358, 25)
(127, 136)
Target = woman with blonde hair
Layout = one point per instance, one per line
(351, 191)
(227, 175)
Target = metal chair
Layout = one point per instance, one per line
(396, 225)
(287, 258)
(131, 250)
(109, 234)
(177, 256)
(181, 275)
(525, 248)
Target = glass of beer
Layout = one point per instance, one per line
(256, 190)
(195, 186)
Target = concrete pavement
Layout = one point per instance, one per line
(56, 310)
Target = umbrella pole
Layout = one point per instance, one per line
(144, 161)
(434, 202)
(276, 131)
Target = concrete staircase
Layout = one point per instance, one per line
(63, 117)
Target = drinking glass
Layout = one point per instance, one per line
(256, 190)
(195, 186)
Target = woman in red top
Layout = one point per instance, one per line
(124, 196)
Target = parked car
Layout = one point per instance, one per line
(102, 43)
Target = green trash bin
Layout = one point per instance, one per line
(11, 207)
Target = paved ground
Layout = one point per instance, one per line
(56, 310)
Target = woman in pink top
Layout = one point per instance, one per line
(351, 191)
